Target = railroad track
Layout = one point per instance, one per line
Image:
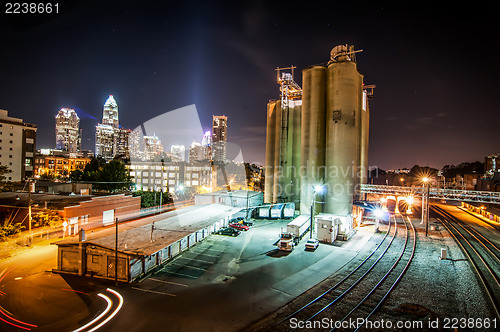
(482, 254)
(371, 281)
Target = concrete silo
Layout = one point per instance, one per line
(312, 132)
(270, 151)
(318, 135)
(343, 132)
(283, 141)
(292, 176)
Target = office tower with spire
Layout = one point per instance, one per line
(110, 139)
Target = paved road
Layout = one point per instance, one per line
(223, 284)
(226, 283)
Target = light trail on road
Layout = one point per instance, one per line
(109, 306)
(15, 320)
(114, 312)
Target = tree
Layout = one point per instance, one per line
(76, 175)
(47, 218)
(148, 198)
(4, 185)
(451, 171)
(418, 172)
(111, 176)
(116, 174)
(92, 168)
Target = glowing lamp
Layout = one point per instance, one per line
(378, 213)
(318, 189)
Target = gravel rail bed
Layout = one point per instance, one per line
(433, 295)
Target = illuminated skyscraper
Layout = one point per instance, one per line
(110, 139)
(110, 112)
(152, 147)
(68, 134)
(178, 152)
(219, 138)
(206, 146)
(195, 152)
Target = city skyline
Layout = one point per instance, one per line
(429, 91)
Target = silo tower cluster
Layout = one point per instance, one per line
(318, 138)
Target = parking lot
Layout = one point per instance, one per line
(223, 274)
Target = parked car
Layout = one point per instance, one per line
(228, 231)
(312, 244)
(239, 226)
(246, 223)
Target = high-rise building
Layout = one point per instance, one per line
(219, 138)
(68, 133)
(152, 147)
(17, 147)
(195, 152)
(206, 146)
(122, 142)
(178, 152)
(134, 145)
(110, 112)
(104, 141)
(110, 139)
(492, 164)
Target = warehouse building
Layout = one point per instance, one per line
(143, 247)
(234, 198)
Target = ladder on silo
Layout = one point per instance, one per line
(289, 90)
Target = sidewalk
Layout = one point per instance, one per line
(19, 243)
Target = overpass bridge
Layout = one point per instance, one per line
(436, 193)
(426, 192)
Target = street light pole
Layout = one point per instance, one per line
(427, 211)
(316, 189)
(425, 203)
(312, 217)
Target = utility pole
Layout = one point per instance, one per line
(30, 235)
(152, 230)
(116, 251)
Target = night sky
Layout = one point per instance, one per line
(435, 68)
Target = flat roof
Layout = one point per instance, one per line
(234, 193)
(20, 199)
(169, 228)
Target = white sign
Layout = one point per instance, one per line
(108, 217)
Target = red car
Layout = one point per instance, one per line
(239, 227)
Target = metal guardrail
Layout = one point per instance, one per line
(436, 193)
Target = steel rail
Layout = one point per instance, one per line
(359, 279)
(468, 229)
(474, 264)
(337, 284)
(398, 278)
(478, 242)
